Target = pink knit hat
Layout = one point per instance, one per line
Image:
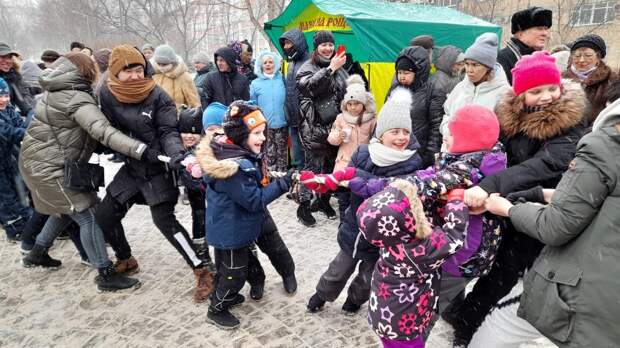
(473, 128)
(535, 70)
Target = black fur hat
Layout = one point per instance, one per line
(531, 17)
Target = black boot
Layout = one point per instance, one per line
(38, 257)
(202, 251)
(109, 280)
(290, 284)
(257, 291)
(304, 215)
(315, 304)
(222, 318)
(325, 207)
(349, 307)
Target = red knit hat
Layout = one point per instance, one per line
(535, 70)
(473, 128)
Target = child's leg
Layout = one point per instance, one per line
(359, 289)
(344, 200)
(13, 214)
(416, 343)
(335, 278)
(270, 242)
(232, 268)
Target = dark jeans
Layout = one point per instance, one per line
(516, 253)
(110, 213)
(270, 242)
(37, 222)
(197, 203)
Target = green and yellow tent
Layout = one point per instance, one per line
(375, 31)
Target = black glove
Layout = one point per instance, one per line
(175, 161)
(535, 194)
(150, 155)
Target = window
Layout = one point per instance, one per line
(593, 13)
(446, 3)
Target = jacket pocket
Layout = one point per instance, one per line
(549, 298)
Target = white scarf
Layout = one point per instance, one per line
(384, 156)
(269, 76)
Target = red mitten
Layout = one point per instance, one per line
(307, 178)
(456, 195)
(332, 180)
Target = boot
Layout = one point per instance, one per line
(350, 308)
(257, 291)
(304, 215)
(127, 267)
(315, 304)
(290, 284)
(110, 280)
(222, 318)
(237, 301)
(38, 257)
(325, 207)
(204, 284)
(202, 251)
(315, 205)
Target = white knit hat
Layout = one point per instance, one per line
(356, 90)
(395, 112)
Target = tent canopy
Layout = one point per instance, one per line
(376, 31)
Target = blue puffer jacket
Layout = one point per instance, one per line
(269, 93)
(236, 200)
(12, 130)
(350, 239)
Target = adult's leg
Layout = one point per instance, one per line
(281, 144)
(73, 230)
(92, 238)
(32, 229)
(167, 223)
(359, 289)
(109, 214)
(38, 256)
(298, 157)
(272, 154)
(197, 203)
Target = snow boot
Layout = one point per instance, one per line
(38, 257)
(350, 308)
(222, 318)
(127, 267)
(110, 280)
(257, 291)
(290, 284)
(315, 304)
(304, 215)
(204, 284)
(325, 207)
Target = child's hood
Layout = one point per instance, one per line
(210, 165)
(258, 64)
(393, 216)
(489, 162)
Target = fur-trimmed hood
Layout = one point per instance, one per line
(554, 119)
(211, 166)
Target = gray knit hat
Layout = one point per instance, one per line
(201, 57)
(164, 54)
(147, 46)
(484, 50)
(395, 112)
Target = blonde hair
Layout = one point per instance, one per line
(423, 227)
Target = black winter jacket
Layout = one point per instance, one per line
(320, 95)
(349, 238)
(509, 55)
(154, 122)
(225, 87)
(20, 94)
(427, 106)
(298, 56)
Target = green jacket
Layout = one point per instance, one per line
(572, 293)
(70, 108)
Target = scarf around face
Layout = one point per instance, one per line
(384, 156)
(130, 92)
(582, 75)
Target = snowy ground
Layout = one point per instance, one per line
(40, 308)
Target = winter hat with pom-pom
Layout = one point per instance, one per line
(395, 112)
(536, 69)
(240, 119)
(356, 90)
(473, 128)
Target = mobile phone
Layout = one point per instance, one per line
(341, 50)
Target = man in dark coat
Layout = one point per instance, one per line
(427, 105)
(530, 30)
(135, 105)
(295, 48)
(20, 96)
(226, 84)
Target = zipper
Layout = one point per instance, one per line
(65, 194)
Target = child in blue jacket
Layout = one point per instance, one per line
(238, 190)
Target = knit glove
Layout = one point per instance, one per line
(535, 195)
(332, 180)
(192, 166)
(365, 188)
(308, 179)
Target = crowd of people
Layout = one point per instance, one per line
(486, 165)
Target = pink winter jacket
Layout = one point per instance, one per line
(359, 135)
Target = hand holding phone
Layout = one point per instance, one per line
(341, 50)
